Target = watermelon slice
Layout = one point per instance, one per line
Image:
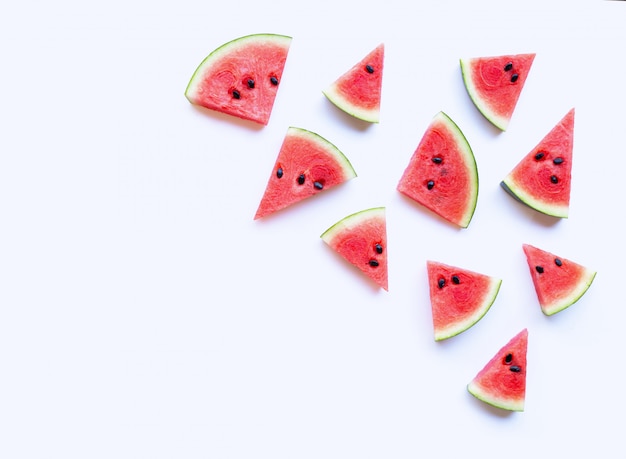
(542, 179)
(442, 174)
(459, 297)
(307, 164)
(358, 91)
(559, 282)
(502, 382)
(495, 83)
(241, 77)
(361, 238)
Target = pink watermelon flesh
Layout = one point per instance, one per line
(241, 78)
(502, 382)
(361, 239)
(307, 164)
(495, 83)
(459, 297)
(358, 91)
(558, 282)
(542, 179)
(442, 174)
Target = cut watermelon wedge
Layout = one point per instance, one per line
(241, 77)
(543, 178)
(358, 91)
(559, 282)
(459, 297)
(442, 174)
(307, 164)
(361, 239)
(495, 83)
(502, 382)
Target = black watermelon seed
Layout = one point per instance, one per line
(515, 369)
(539, 269)
(514, 77)
(373, 263)
(508, 358)
(539, 155)
(508, 67)
(236, 94)
(318, 185)
(558, 262)
(558, 160)
(369, 68)
(274, 80)
(430, 185)
(554, 179)
(279, 172)
(441, 282)
(437, 160)
(456, 280)
(250, 83)
(300, 179)
(379, 248)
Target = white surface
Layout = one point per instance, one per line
(144, 314)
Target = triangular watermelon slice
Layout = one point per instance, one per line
(542, 179)
(495, 83)
(442, 174)
(241, 77)
(459, 297)
(358, 91)
(559, 282)
(361, 239)
(307, 164)
(502, 382)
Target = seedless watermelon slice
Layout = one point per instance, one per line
(559, 282)
(442, 174)
(361, 239)
(502, 382)
(358, 91)
(307, 164)
(459, 297)
(495, 83)
(542, 179)
(241, 77)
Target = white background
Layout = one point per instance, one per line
(144, 314)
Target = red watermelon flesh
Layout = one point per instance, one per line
(558, 282)
(307, 164)
(502, 382)
(442, 174)
(542, 179)
(358, 91)
(495, 83)
(361, 239)
(459, 297)
(241, 77)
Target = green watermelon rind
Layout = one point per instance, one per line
(521, 195)
(470, 164)
(352, 221)
(371, 116)
(500, 122)
(229, 46)
(499, 402)
(329, 147)
(459, 327)
(573, 297)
